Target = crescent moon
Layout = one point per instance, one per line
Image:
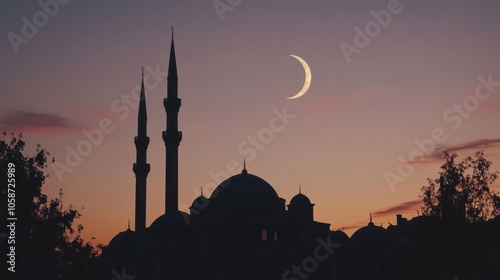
(307, 82)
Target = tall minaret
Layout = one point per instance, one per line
(141, 168)
(172, 137)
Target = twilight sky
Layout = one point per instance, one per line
(387, 77)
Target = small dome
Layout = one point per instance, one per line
(175, 219)
(370, 234)
(200, 202)
(244, 185)
(300, 199)
(123, 239)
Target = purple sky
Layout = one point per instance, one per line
(362, 113)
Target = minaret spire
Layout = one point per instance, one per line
(172, 136)
(172, 69)
(141, 167)
(143, 118)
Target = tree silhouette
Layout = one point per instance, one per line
(462, 191)
(47, 244)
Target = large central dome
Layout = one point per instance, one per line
(244, 185)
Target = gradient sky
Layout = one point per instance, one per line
(350, 129)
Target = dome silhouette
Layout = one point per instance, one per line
(300, 199)
(124, 239)
(178, 218)
(200, 202)
(371, 234)
(244, 185)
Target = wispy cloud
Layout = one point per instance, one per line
(399, 208)
(437, 155)
(408, 206)
(478, 144)
(38, 122)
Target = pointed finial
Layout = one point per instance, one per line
(244, 171)
(142, 70)
(172, 27)
(128, 224)
(371, 220)
(201, 190)
(300, 189)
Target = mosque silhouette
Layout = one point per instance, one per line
(244, 230)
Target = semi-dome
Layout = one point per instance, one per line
(178, 218)
(244, 185)
(300, 199)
